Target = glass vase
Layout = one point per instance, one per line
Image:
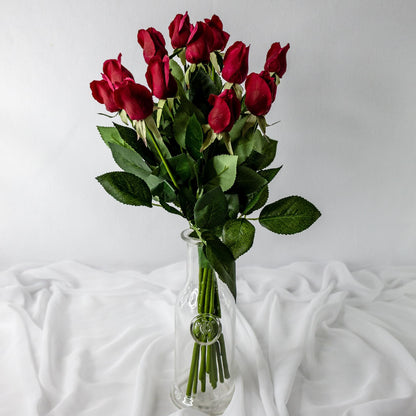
(204, 336)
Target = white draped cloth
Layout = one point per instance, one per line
(312, 339)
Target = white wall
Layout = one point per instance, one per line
(347, 131)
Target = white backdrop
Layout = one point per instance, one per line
(346, 137)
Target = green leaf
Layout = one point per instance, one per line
(248, 181)
(169, 208)
(235, 132)
(155, 141)
(269, 174)
(222, 260)
(179, 127)
(289, 215)
(164, 190)
(222, 171)
(130, 161)
(211, 209)
(176, 71)
(111, 135)
(126, 188)
(244, 146)
(182, 167)
(264, 152)
(238, 236)
(256, 200)
(194, 137)
(187, 202)
(233, 205)
(129, 136)
(200, 88)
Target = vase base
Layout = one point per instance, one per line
(213, 402)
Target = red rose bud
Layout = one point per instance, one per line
(199, 44)
(276, 59)
(236, 63)
(152, 42)
(260, 93)
(103, 92)
(220, 38)
(116, 72)
(160, 80)
(225, 112)
(179, 30)
(135, 99)
(113, 75)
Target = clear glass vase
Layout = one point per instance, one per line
(204, 337)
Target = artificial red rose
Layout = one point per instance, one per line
(152, 42)
(199, 44)
(276, 59)
(260, 93)
(116, 72)
(219, 37)
(160, 80)
(179, 30)
(113, 75)
(135, 99)
(236, 63)
(103, 92)
(225, 112)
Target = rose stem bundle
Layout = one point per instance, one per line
(211, 359)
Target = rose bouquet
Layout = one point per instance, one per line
(194, 143)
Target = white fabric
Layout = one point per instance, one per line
(312, 340)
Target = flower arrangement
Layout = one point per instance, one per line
(194, 143)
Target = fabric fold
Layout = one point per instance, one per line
(312, 339)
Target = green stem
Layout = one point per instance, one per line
(163, 159)
(217, 348)
(224, 357)
(195, 381)
(193, 369)
(213, 370)
(201, 302)
(177, 52)
(202, 370)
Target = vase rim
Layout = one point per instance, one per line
(186, 236)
